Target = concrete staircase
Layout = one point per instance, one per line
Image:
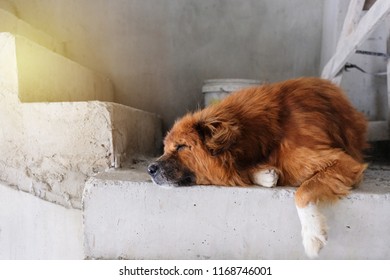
(58, 127)
(48, 146)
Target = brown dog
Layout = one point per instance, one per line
(301, 132)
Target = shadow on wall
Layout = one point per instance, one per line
(379, 152)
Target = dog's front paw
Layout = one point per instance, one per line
(266, 178)
(314, 230)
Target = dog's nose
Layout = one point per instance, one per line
(153, 169)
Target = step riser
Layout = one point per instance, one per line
(139, 220)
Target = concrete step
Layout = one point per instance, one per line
(50, 149)
(38, 74)
(12, 24)
(31, 228)
(126, 216)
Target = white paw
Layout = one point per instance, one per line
(314, 229)
(313, 241)
(266, 178)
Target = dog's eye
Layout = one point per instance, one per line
(180, 147)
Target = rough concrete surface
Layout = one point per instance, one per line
(50, 149)
(126, 216)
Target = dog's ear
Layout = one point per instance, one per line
(218, 135)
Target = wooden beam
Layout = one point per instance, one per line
(350, 22)
(348, 46)
(352, 18)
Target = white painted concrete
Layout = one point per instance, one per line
(126, 216)
(31, 228)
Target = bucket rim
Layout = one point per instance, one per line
(222, 81)
(227, 85)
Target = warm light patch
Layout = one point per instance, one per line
(41, 75)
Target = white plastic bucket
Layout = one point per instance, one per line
(216, 89)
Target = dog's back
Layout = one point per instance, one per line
(317, 113)
(309, 112)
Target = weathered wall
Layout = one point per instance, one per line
(157, 53)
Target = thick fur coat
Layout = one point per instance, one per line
(302, 132)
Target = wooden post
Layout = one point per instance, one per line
(353, 34)
(351, 21)
(348, 45)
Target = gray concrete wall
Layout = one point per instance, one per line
(157, 53)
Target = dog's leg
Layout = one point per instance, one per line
(314, 229)
(265, 177)
(327, 185)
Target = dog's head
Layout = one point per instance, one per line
(198, 150)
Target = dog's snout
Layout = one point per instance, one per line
(153, 169)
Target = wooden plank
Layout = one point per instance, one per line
(367, 24)
(350, 22)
